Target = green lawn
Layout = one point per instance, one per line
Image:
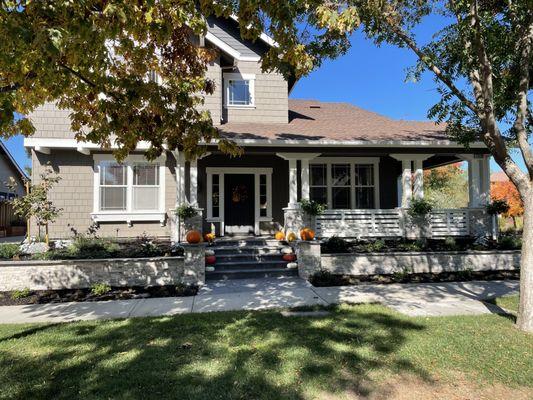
(258, 355)
(508, 302)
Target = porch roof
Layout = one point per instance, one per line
(311, 120)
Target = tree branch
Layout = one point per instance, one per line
(522, 106)
(404, 37)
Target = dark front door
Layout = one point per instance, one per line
(239, 212)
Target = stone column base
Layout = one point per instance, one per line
(308, 256)
(194, 264)
(293, 219)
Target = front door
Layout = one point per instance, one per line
(239, 204)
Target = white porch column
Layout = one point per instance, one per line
(411, 188)
(485, 180)
(193, 188)
(293, 174)
(180, 178)
(305, 178)
(407, 192)
(474, 180)
(418, 184)
(193, 176)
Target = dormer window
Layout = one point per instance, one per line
(239, 90)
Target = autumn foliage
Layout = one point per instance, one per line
(505, 190)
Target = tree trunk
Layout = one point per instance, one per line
(525, 314)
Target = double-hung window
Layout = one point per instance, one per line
(239, 90)
(344, 185)
(113, 186)
(135, 187)
(145, 187)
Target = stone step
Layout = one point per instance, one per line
(222, 258)
(250, 264)
(247, 242)
(252, 273)
(251, 250)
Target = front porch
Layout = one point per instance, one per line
(367, 192)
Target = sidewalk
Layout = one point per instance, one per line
(431, 299)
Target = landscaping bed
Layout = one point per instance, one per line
(337, 245)
(24, 297)
(325, 278)
(87, 248)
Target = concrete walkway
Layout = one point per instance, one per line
(433, 299)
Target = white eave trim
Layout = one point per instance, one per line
(228, 49)
(263, 36)
(50, 143)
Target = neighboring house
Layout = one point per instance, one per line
(10, 169)
(366, 167)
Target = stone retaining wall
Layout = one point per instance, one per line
(420, 262)
(75, 274)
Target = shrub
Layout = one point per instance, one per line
(144, 246)
(510, 243)
(99, 289)
(402, 275)
(186, 211)
(9, 250)
(465, 274)
(20, 294)
(312, 207)
(497, 206)
(411, 246)
(374, 247)
(84, 247)
(336, 244)
(322, 277)
(450, 244)
(420, 208)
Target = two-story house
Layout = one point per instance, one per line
(364, 166)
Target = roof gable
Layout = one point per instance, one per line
(225, 34)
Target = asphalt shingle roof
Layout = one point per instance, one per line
(314, 120)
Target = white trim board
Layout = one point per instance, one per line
(54, 143)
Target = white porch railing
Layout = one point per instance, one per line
(392, 223)
(450, 222)
(360, 223)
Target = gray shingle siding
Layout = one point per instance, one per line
(228, 32)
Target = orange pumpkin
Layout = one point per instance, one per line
(209, 237)
(210, 260)
(307, 234)
(289, 257)
(193, 237)
(279, 236)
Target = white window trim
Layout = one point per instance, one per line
(221, 171)
(353, 161)
(251, 88)
(129, 215)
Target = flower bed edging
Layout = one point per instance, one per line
(419, 262)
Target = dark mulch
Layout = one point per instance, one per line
(80, 295)
(327, 279)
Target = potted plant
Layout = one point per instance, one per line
(419, 212)
(311, 209)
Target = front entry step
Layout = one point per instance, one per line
(249, 258)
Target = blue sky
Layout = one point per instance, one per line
(368, 76)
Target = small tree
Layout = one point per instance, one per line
(506, 190)
(36, 204)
